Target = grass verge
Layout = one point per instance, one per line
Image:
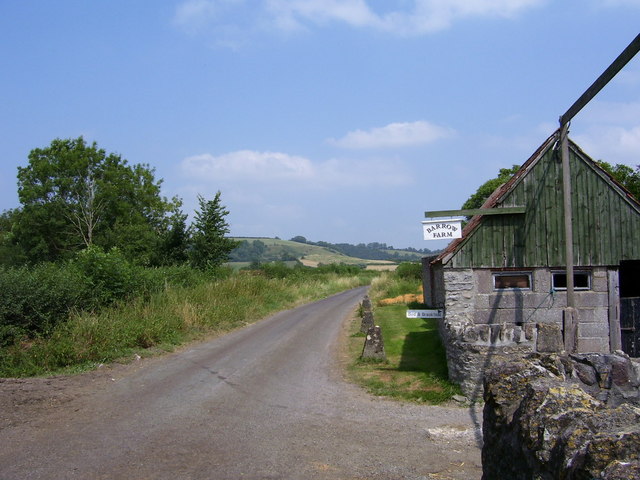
(165, 320)
(416, 368)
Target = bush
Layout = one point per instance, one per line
(409, 270)
(166, 318)
(35, 299)
(340, 269)
(110, 275)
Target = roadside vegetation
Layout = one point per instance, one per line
(416, 367)
(170, 307)
(96, 265)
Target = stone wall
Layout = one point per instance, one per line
(550, 417)
(482, 325)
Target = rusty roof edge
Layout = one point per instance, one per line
(495, 198)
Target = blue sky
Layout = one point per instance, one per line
(340, 121)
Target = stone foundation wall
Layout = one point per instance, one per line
(482, 325)
(567, 417)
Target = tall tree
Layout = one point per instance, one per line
(75, 195)
(174, 243)
(209, 245)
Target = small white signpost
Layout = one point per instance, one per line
(425, 313)
(442, 229)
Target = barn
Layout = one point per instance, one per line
(503, 285)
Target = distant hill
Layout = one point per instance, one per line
(253, 249)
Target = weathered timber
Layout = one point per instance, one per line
(475, 211)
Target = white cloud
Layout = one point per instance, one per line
(292, 173)
(380, 173)
(609, 131)
(274, 193)
(429, 16)
(289, 14)
(394, 135)
(402, 17)
(613, 144)
(256, 166)
(610, 113)
(193, 15)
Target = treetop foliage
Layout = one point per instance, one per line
(75, 195)
(624, 175)
(487, 188)
(210, 247)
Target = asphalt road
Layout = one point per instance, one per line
(264, 402)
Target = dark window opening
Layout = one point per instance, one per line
(630, 278)
(505, 281)
(581, 281)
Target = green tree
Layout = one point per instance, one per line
(174, 241)
(624, 175)
(75, 195)
(209, 246)
(11, 254)
(487, 188)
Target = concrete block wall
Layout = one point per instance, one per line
(480, 321)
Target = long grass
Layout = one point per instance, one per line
(165, 320)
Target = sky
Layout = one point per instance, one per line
(340, 121)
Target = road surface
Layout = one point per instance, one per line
(264, 402)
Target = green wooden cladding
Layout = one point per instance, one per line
(606, 224)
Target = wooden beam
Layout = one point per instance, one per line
(617, 65)
(476, 211)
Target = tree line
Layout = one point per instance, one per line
(368, 251)
(74, 196)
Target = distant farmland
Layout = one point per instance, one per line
(272, 249)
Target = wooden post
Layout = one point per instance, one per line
(568, 216)
(571, 314)
(615, 337)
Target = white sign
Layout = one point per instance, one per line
(442, 229)
(425, 313)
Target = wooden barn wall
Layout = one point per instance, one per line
(606, 227)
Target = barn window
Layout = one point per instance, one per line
(512, 281)
(581, 280)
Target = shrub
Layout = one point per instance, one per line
(35, 299)
(339, 268)
(409, 270)
(110, 275)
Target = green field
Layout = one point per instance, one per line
(310, 255)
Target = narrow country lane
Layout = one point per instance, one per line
(264, 402)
